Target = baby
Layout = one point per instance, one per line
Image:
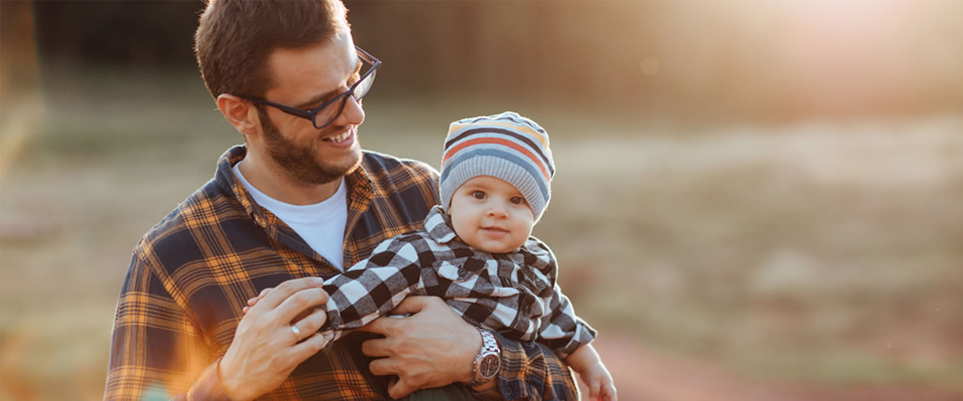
(477, 253)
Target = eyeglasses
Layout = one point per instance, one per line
(325, 114)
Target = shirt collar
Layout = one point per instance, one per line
(438, 225)
(358, 184)
(226, 180)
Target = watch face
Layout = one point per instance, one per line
(488, 366)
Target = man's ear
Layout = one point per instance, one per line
(240, 113)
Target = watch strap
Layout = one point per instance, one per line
(489, 347)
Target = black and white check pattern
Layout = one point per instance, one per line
(514, 293)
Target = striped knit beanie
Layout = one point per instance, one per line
(505, 146)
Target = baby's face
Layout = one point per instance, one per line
(489, 214)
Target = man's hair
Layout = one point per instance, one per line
(235, 38)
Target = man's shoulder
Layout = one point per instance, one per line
(383, 165)
(418, 238)
(173, 240)
(404, 189)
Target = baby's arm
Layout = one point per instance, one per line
(592, 371)
(369, 289)
(565, 332)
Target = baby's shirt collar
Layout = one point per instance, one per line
(438, 225)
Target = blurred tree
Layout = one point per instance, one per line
(771, 60)
(135, 33)
(21, 107)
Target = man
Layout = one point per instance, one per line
(300, 201)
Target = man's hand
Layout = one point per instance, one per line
(265, 348)
(431, 348)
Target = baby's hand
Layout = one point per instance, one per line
(251, 302)
(599, 381)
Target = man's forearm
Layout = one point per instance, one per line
(149, 336)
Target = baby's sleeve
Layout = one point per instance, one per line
(373, 287)
(560, 328)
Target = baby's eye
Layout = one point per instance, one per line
(478, 194)
(518, 200)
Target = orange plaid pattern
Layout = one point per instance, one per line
(192, 273)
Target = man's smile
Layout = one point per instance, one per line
(344, 139)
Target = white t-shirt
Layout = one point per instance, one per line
(321, 225)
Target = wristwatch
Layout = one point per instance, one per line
(488, 361)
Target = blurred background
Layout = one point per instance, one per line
(755, 200)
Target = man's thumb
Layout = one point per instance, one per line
(412, 305)
(399, 389)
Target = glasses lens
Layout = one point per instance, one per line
(328, 114)
(365, 85)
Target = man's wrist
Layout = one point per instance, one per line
(230, 388)
(471, 351)
(208, 386)
(531, 369)
(487, 362)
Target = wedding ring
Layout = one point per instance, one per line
(297, 332)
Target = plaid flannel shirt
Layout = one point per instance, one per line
(192, 273)
(514, 293)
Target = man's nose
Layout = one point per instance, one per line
(352, 114)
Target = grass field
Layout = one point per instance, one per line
(817, 253)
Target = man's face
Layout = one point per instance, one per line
(489, 214)
(306, 78)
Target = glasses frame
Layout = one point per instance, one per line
(343, 97)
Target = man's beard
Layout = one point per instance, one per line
(298, 161)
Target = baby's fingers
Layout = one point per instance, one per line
(253, 301)
(259, 297)
(595, 387)
(608, 392)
